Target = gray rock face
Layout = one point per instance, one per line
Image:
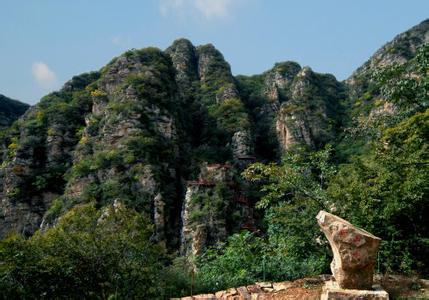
(211, 64)
(292, 130)
(196, 65)
(301, 104)
(185, 61)
(278, 80)
(241, 144)
(159, 217)
(24, 217)
(198, 229)
(226, 93)
(205, 57)
(204, 211)
(355, 252)
(26, 194)
(125, 120)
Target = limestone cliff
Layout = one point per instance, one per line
(38, 152)
(214, 206)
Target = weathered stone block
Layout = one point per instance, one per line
(355, 251)
(205, 297)
(331, 291)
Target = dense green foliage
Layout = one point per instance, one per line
(292, 194)
(90, 253)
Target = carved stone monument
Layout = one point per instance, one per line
(355, 254)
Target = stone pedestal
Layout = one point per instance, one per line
(331, 291)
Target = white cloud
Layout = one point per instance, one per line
(208, 9)
(44, 76)
(117, 40)
(213, 8)
(120, 40)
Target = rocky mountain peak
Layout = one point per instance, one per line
(185, 61)
(278, 78)
(399, 50)
(211, 63)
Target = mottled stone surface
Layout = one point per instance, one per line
(331, 291)
(355, 251)
(241, 144)
(202, 224)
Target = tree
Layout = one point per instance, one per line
(292, 194)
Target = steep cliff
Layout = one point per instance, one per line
(366, 103)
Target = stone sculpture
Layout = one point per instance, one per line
(354, 249)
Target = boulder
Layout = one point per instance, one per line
(355, 252)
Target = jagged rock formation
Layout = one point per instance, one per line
(205, 209)
(365, 100)
(241, 144)
(299, 106)
(38, 151)
(10, 110)
(355, 252)
(214, 205)
(133, 133)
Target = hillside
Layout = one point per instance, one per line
(10, 110)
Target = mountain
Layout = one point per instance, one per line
(168, 133)
(10, 110)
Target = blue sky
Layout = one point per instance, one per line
(43, 43)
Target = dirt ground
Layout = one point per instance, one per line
(398, 287)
